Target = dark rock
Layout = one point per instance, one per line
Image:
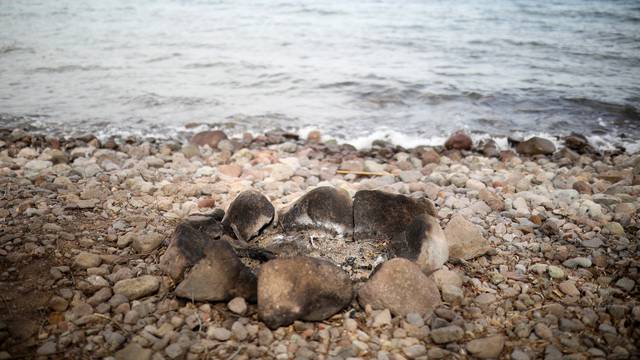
(459, 140)
(490, 148)
(579, 143)
(188, 244)
(536, 146)
(302, 288)
(380, 215)
(210, 137)
(325, 208)
(400, 286)
(219, 276)
(404, 224)
(582, 187)
(248, 213)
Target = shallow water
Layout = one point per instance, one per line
(412, 71)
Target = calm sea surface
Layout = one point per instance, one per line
(410, 71)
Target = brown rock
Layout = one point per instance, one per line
(210, 137)
(536, 146)
(582, 187)
(459, 140)
(486, 348)
(303, 288)
(493, 200)
(326, 208)
(507, 155)
(430, 156)
(248, 213)
(219, 276)
(207, 202)
(400, 286)
(465, 239)
(314, 136)
(231, 170)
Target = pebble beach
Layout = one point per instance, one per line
(544, 265)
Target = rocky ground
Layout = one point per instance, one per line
(545, 261)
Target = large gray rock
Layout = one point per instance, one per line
(248, 213)
(219, 276)
(404, 224)
(188, 244)
(536, 146)
(400, 286)
(302, 288)
(326, 208)
(465, 239)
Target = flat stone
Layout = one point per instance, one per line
(447, 334)
(325, 208)
(137, 287)
(247, 215)
(400, 286)
(577, 262)
(146, 243)
(48, 348)
(415, 351)
(445, 276)
(626, 284)
(219, 333)
(555, 272)
(302, 288)
(87, 260)
(485, 299)
(133, 351)
(486, 348)
(569, 287)
(465, 239)
(452, 294)
(232, 170)
(219, 276)
(382, 318)
(237, 305)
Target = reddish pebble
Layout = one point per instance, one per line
(207, 202)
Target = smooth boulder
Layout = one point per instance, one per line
(247, 215)
(301, 288)
(188, 243)
(459, 140)
(404, 224)
(219, 276)
(536, 146)
(325, 208)
(400, 286)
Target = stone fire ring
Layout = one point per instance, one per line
(220, 256)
